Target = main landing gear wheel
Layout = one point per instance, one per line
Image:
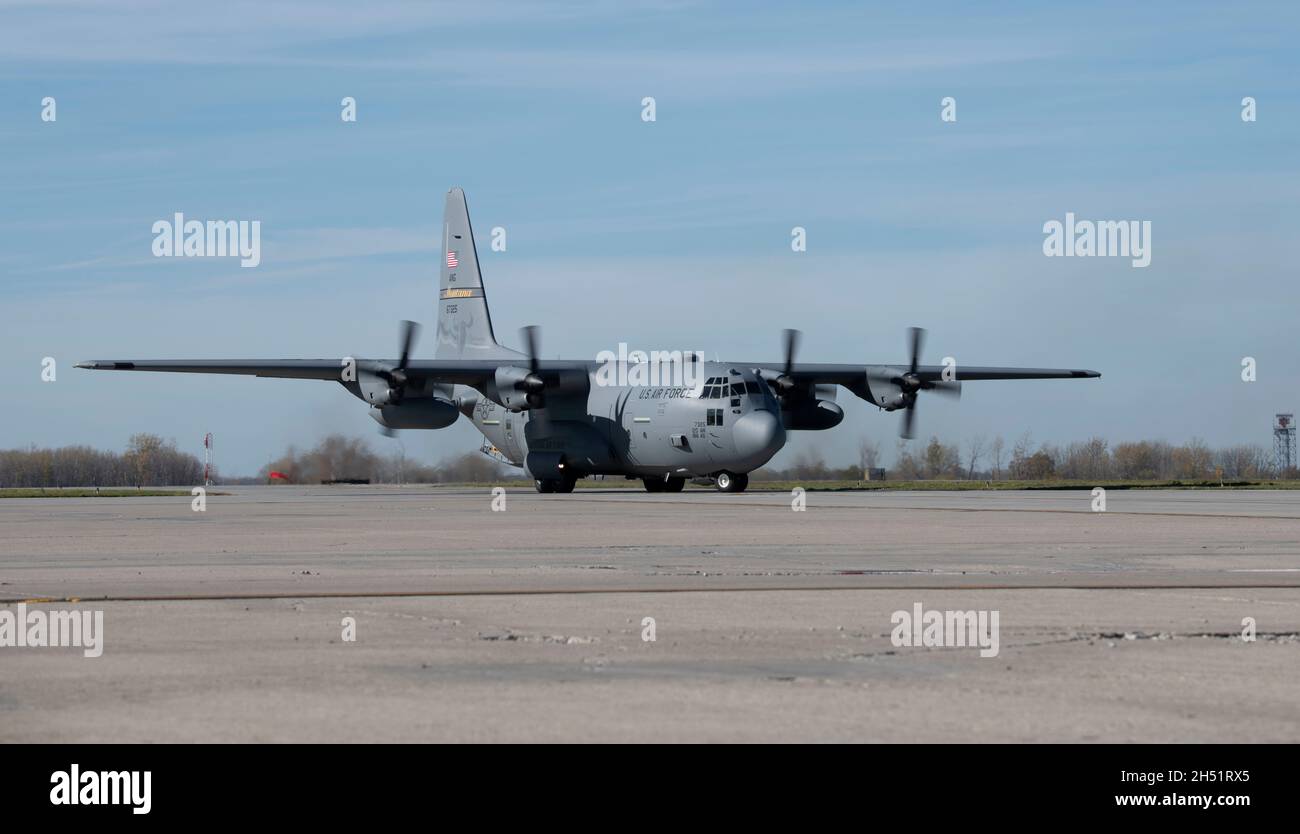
(564, 485)
(663, 484)
(727, 482)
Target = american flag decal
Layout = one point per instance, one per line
(452, 263)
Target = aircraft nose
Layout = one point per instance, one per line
(758, 434)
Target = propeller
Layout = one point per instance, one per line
(533, 383)
(911, 384)
(410, 332)
(915, 335)
(790, 338)
(396, 377)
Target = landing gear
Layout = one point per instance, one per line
(663, 484)
(564, 485)
(727, 482)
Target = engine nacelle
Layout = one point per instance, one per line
(512, 385)
(375, 389)
(421, 413)
(502, 388)
(811, 415)
(888, 395)
(893, 399)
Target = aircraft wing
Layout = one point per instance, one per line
(445, 371)
(930, 373)
(846, 375)
(854, 377)
(281, 368)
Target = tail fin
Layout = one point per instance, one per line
(464, 325)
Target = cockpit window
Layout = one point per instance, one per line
(752, 387)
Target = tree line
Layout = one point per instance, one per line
(151, 461)
(148, 461)
(1094, 459)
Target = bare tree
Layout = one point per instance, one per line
(1020, 454)
(996, 451)
(143, 452)
(1086, 460)
(906, 465)
(868, 455)
(941, 460)
(974, 451)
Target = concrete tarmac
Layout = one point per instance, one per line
(770, 624)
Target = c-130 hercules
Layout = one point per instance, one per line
(556, 419)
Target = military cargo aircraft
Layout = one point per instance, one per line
(562, 420)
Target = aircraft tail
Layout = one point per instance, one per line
(464, 325)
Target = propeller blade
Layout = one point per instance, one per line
(916, 335)
(410, 332)
(791, 338)
(947, 389)
(531, 340)
(397, 376)
(908, 424)
(533, 383)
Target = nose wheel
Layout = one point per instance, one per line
(727, 482)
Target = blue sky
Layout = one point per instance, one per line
(671, 234)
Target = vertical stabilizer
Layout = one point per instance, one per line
(464, 325)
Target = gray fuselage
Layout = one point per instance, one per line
(730, 423)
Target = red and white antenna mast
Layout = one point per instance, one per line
(207, 459)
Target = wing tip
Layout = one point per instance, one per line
(98, 365)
